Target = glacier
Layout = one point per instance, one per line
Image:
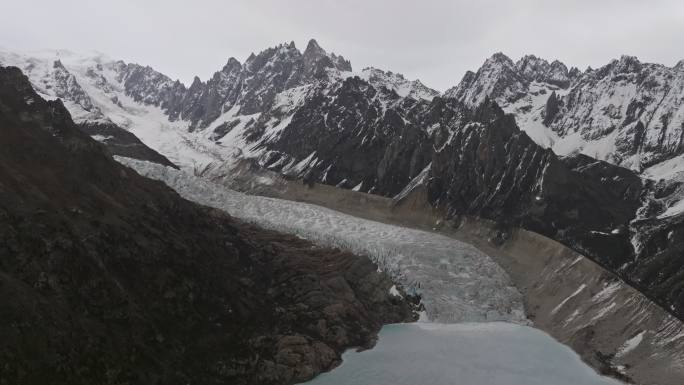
(457, 282)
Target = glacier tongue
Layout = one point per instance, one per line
(457, 282)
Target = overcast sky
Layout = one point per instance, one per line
(435, 41)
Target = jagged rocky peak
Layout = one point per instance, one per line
(398, 83)
(313, 50)
(272, 56)
(232, 66)
(540, 70)
(228, 75)
(506, 81)
(497, 78)
(250, 87)
(315, 54)
(626, 65)
(146, 85)
(532, 66)
(286, 56)
(196, 82)
(284, 67)
(498, 58)
(314, 58)
(204, 102)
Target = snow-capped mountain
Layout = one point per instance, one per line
(627, 112)
(250, 87)
(234, 113)
(308, 115)
(506, 81)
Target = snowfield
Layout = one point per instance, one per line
(469, 354)
(102, 98)
(457, 282)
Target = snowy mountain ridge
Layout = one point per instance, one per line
(627, 112)
(229, 115)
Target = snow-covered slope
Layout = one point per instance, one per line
(627, 112)
(90, 88)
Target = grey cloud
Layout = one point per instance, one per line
(436, 41)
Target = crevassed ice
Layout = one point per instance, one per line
(457, 282)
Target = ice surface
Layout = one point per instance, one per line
(469, 354)
(457, 282)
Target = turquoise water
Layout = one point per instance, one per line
(463, 354)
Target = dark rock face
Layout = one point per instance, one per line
(478, 161)
(316, 60)
(351, 141)
(205, 102)
(123, 143)
(107, 277)
(551, 109)
(658, 264)
(493, 170)
(660, 267)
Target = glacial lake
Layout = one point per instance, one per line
(496, 353)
